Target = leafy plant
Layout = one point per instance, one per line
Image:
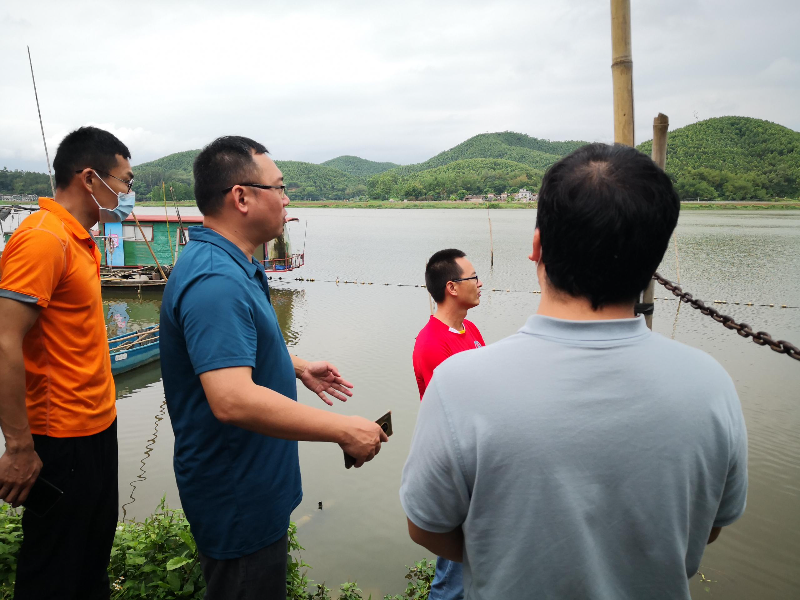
(10, 542)
(156, 559)
(419, 578)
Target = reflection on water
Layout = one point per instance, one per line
(148, 449)
(368, 333)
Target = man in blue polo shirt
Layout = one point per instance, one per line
(230, 382)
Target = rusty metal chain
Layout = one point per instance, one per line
(762, 338)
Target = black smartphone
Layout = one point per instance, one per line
(42, 497)
(386, 424)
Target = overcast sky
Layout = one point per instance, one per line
(388, 81)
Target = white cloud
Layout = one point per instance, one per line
(386, 81)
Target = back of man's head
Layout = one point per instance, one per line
(87, 147)
(605, 217)
(225, 162)
(441, 268)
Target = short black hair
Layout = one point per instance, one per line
(605, 216)
(441, 268)
(87, 147)
(226, 161)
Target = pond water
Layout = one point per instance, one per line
(368, 329)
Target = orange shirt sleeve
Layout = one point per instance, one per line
(32, 265)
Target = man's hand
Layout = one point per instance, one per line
(363, 439)
(323, 378)
(18, 472)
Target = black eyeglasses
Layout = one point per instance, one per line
(282, 188)
(128, 182)
(475, 277)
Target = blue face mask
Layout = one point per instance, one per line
(125, 203)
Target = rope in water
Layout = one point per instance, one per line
(509, 291)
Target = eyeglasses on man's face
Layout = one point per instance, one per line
(475, 277)
(127, 182)
(282, 188)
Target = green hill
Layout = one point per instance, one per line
(455, 180)
(304, 180)
(733, 158)
(307, 181)
(359, 167)
(505, 145)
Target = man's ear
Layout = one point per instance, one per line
(239, 199)
(450, 288)
(536, 254)
(86, 178)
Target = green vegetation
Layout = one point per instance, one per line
(727, 158)
(307, 181)
(358, 167)
(733, 158)
(506, 145)
(24, 182)
(157, 559)
(455, 180)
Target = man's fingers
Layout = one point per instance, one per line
(343, 382)
(325, 398)
(5, 490)
(12, 496)
(23, 494)
(338, 395)
(384, 437)
(342, 389)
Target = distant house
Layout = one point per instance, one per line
(524, 195)
(503, 197)
(474, 199)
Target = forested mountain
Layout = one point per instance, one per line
(733, 158)
(505, 145)
(359, 167)
(455, 180)
(24, 182)
(304, 180)
(307, 181)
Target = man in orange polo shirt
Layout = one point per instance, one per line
(57, 397)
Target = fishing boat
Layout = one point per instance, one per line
(139, 252)
(132, 350)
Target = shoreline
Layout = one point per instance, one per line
(383, 204)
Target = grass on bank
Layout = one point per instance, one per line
(157, 559)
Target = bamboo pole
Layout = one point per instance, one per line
(166, 214)
(153, 254)
(181, 232)
(491, 242)
(622, 71)
(659, 155)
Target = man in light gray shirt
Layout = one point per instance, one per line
(584, 456)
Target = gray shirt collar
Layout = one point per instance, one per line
(613, 329)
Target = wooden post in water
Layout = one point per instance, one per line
(659, 155)
(622, 71)
(491, 241)
(153, 254)
(169, 236)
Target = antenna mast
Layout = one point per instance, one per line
(47, 155)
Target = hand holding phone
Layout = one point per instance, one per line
(42, 497)
(385, 423)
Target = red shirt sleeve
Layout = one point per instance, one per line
(428, 356)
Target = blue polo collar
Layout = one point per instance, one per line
(209, 236)
(586, 331)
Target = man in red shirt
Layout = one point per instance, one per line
(452, 282)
